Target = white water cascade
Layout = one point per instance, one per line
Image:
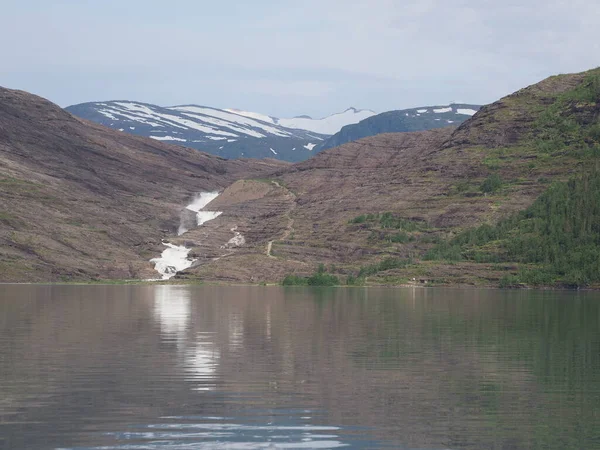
(197, 206)
(175, 258)
(172, 260)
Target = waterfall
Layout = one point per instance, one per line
(175, 257)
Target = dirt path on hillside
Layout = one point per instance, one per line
(290, 225)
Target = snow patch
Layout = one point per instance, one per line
(274, 152)
(197, 206)
(466, 111)
(252, 115)
(215, 138)
(201, 200)
(421, 111)
(309, 147)
(328, 125)
(167, 138)
(442, 110)
(107, 114)
(231, 120)
(204, 216)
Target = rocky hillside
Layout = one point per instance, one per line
(509, 197)
(384, 209)
(415, 119)
(79, 201)
(228, 133)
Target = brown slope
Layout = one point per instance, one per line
(431, 177)
(80, 201)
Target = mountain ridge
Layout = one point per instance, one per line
(229, 133)
(398, 121)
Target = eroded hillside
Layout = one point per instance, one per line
(379, 205)
(79, 201)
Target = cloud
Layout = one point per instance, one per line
(312, 57)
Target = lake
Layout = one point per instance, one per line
(209, 367)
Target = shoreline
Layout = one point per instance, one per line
(241, 284)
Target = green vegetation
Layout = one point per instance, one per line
(322, 278)
(386, 264)
(319, 278)
(558, 127)
(354, 281)
(491, 184)
(556, 240)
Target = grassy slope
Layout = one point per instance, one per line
(512, 152)
(556, 241)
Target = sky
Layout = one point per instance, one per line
(286, 58)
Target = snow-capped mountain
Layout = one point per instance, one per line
(328, 125)
(414, 119)
(229, 133)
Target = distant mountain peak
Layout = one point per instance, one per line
(327, 125)
(412, 119)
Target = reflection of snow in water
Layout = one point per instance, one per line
(172, 310)
(201, 362)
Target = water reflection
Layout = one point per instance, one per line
(174, 367)
(172, 310)
(202, 361)
(200, 357)
(220, 433)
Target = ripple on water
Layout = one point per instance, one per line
(220, 433)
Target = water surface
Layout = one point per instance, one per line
(203, 367)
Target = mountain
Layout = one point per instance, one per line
(328, 125)
(510, 197)
(79, 201)
(228, 133)
(415, 119)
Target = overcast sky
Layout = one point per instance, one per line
(288, 58)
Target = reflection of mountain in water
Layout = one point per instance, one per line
(149, 366)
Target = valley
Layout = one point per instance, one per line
(83, 202)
